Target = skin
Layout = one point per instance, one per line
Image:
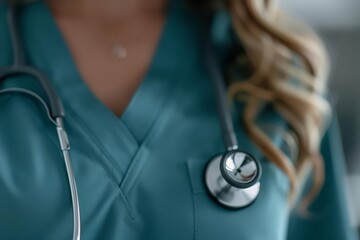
(92, 28)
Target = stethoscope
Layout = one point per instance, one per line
(232, 178)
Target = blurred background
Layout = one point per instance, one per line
(338, 22)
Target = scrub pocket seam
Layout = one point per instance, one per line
(193, 199)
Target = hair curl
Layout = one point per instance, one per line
(290, 72)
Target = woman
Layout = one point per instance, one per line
(142, 121)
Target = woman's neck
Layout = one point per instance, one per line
(107, 9)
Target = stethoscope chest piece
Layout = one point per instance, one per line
(233, 179)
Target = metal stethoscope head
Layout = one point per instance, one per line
(232, 178)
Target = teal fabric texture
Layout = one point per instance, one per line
(140, 175)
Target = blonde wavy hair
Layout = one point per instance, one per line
(290, 71)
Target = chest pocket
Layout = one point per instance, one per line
(265, 219)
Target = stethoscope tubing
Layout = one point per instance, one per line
(20, 66)
(218, 80)
(55, 110)
(56, 114)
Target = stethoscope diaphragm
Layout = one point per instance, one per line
(232, 179)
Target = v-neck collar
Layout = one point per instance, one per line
(47, 50)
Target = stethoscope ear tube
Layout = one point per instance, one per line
(65, 148)
(54, 109)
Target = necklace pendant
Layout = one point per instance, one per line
(120, 52)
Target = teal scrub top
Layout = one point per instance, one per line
(140, 175)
